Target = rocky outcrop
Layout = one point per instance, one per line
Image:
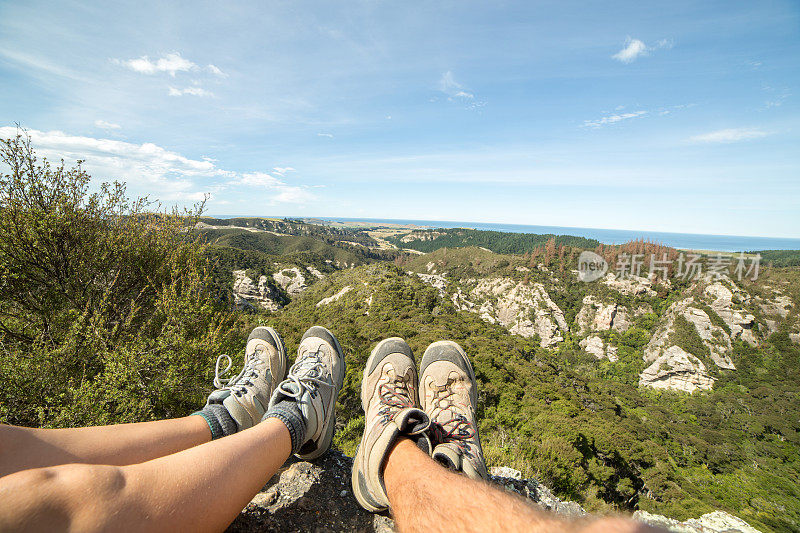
(632, 285)
(598, 316)
(247, 294)
(316, 496)
(291, 280)
(525, 310)
(437, 281)
(678, 370)
(724, 301)
(595, 346)
(331, 299)
(716, 522)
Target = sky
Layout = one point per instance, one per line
(677, 116)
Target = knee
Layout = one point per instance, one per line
(55, 497)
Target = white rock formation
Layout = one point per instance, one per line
(716, 522)
(331, 299)
(291, 280)
(314, 272)
(437, 281)
(595, 346)
(633, 285)
(249, 294)
(525, 310)
(599, 316)
(678, 370)
(724, 303)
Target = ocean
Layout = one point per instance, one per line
(686, 241)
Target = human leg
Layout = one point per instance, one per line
(245, 397)
(424, 496)
(202, 488)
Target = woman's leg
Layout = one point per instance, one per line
(199, 489)
(123, 444)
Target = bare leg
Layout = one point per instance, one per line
(424, 496)
(123, 444)
(199, 489)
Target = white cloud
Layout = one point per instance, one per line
(611, 119)
(108, 126)
(282, 170)
(633, 49)
(458, 93)
(329, 135)
(729, 135)
(148, 168)
(194, 91)
(170, 63)
(213, 69)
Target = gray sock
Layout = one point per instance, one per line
(219, 420)
(288, 412)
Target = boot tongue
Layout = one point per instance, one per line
(308, 406)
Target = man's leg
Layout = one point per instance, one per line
(199, 489)
(424, 496)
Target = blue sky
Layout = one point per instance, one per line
(672, 116)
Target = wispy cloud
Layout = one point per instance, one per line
(729, 135)
(635, 48)
(108, 126)
(611, 119)
(149, 167)
(328, 135)
(171, 64)
(194, 91)
(456, 92)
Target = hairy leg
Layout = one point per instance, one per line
(424, 496)
(123, 444)
(199, 489)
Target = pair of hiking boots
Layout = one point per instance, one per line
(436, 411)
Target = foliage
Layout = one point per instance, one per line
(496, 241)
(105, 309)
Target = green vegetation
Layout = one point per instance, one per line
(779, 258)
(496, 241)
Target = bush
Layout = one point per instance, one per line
(105, 313)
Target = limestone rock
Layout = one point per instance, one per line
(716, 522)
(595, 346)
(525, 310)
(599, 316)
(676, 369)
(249, 294)
(331, 299)
(291, 280)
(317, 496)
(633, 285)
(436, 281)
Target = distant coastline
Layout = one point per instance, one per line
(684, 241)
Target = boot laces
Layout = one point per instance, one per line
(307, 374)
(238, 383)
(395, 396)
(457, 429)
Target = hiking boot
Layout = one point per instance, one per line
(313, 383)
(449, 395)
(246, 396)
(389, 400)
